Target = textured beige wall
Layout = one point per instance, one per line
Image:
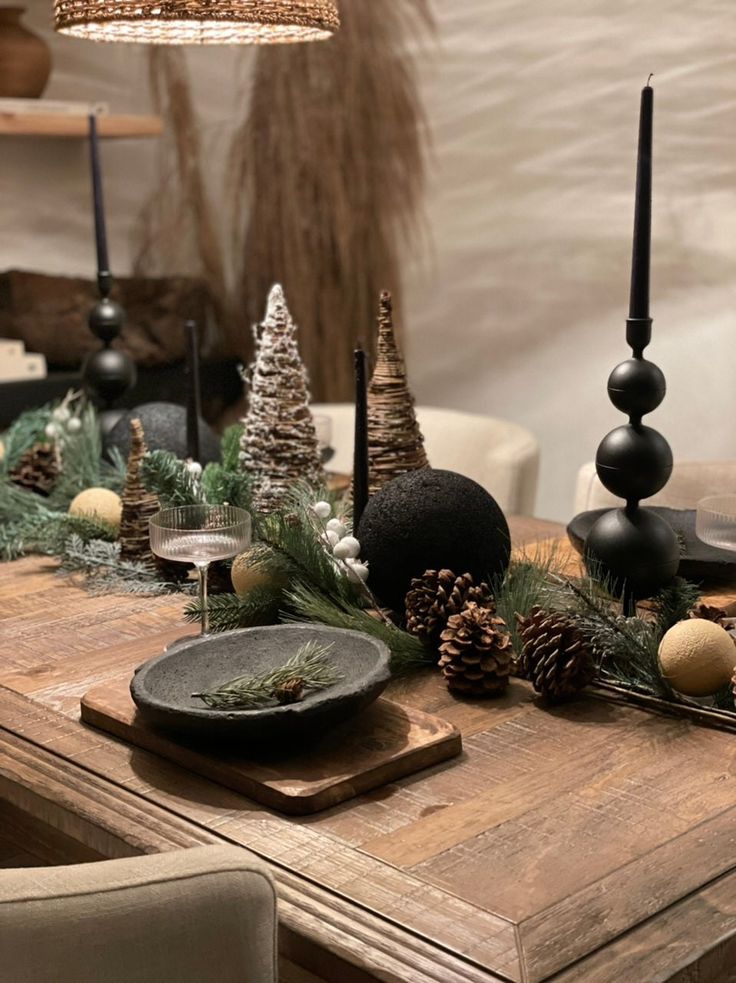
(518, 310)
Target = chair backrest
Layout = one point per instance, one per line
(501, 456)
(206, 915)
(690, 481)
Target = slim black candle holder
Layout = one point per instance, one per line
(632, 548)
(108, 373)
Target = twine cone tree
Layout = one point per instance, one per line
(395, 442)
(138, 504)
(279, 444)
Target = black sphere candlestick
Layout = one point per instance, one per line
(633, 548)
(108, 373)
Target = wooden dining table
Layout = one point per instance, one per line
(586, 843)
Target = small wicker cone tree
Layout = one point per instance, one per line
(395, 442)
(279, 444)
(138, 504)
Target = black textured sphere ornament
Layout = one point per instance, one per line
(165, 427)
(431, 519)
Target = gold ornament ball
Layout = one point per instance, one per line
(100, 503)
(248, 572)
(697, 657)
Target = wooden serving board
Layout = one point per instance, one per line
(382, 744)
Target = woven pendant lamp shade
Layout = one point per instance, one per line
(198, 21)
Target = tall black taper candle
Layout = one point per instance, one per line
(103, 262)
(639, 300)
(194, 396)
(360, 459)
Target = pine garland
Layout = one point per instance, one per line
(305, 604)
(104, 571)
(170, 480)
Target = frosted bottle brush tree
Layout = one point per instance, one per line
(279, 445)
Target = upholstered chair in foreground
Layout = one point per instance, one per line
(206, 915)
(501, 456)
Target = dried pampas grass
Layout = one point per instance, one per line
(324, 190)
(179, 225)
(329, 165)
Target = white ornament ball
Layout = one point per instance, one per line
(697, 657)
(332, 538)
(74, 425)
(347, 548)
(2, 451)
(194, 468)
(357, 572)
(100, 503)
(334, 525)
(61, 414)
(323, 510)
(51, 430)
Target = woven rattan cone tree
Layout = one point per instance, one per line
(395, 442)
(138, 504)
(279, 444)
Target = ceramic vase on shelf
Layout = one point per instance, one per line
(25, 58)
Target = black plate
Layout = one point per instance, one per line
(162, 688)
(698, 561)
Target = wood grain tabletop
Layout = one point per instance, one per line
(592, 842)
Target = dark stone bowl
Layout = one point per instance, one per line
(162, 688)
(698, 560)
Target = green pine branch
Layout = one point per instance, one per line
(307, 604)
(169, 479)
(228, 611)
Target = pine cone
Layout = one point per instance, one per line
(475, 655)
(733, 687)
(436, 596)
(555, 656)
(37, 469)
(290, 691)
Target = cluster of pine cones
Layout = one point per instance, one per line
(475, 648)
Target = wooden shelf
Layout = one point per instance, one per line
(60, 125)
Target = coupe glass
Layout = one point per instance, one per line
(199, 534)
(715, 521)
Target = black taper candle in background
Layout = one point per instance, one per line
(103, 262)
(360, 460)
(194, 396)
(639, 300)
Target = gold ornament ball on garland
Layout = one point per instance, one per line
(248, 572)
(100, 503)
(697, 657)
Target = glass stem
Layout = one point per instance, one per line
(202, 569)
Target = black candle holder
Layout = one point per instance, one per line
(632, 548)
(108, 373)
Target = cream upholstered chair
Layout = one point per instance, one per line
(193, 916)
(690, 481)
(501, 456)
